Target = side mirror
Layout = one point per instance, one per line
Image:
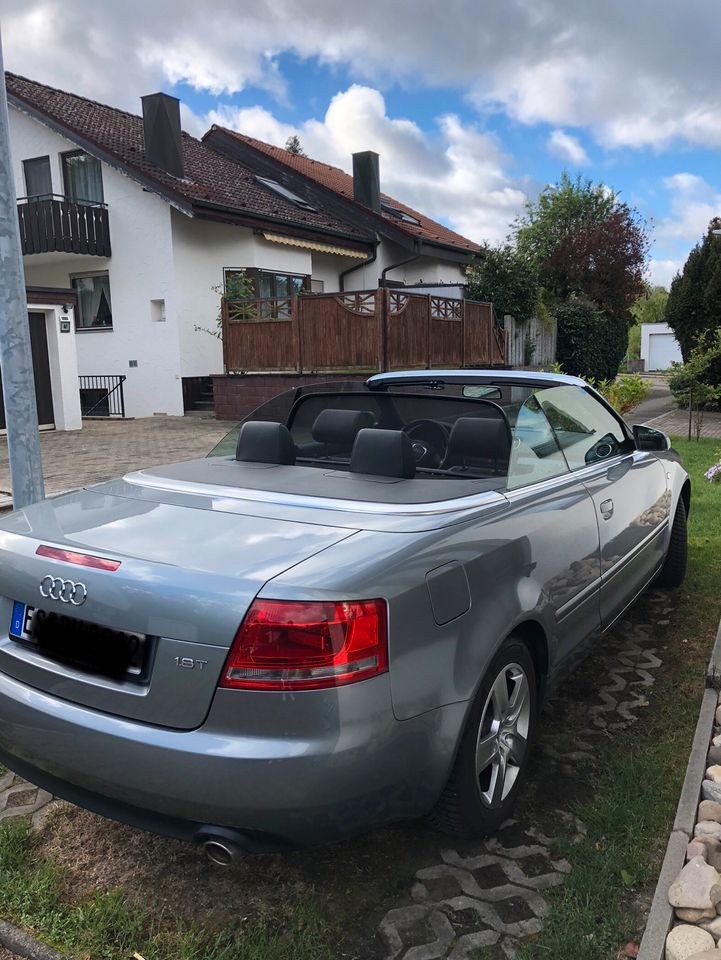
(649, 439)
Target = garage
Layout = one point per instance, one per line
(659, 347)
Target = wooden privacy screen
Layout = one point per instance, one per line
(365, 331)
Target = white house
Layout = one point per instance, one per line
(129, 228)
(659, 346)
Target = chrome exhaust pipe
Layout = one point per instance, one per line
(222, 852)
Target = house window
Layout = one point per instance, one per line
(267, 283)
(94, 304)
(83, 177)
(38, 181)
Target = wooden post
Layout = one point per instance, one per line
(296, 312)
(428, 333)
(224, 331)
(382, 308)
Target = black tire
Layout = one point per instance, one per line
(673, 571)
(462, 810)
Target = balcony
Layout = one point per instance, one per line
(54, 223)
(363, 331)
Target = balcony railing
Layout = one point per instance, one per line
(54, 223)
(367, 330)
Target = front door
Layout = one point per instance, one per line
(41, 372)
(627, 486)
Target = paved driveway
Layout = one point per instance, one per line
(109, 448)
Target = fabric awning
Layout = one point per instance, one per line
(317, 245)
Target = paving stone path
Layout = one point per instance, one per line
(494, 899)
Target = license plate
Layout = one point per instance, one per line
(91, 647)
(21, 621)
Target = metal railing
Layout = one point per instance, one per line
(52, 222)
(101, 395)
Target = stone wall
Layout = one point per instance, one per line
(238, 395)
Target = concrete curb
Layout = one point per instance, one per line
(660, 915)
(22, 944)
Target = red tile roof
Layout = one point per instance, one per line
(335, 179)
(209, 176)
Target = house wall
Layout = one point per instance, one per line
(141, 269)
(201, 251)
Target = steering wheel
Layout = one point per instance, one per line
(429, 439)
(602, 449)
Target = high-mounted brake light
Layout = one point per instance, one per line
(82, 559)
(296, 645)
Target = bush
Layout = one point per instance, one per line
(508, 280)
(699, 379)
(625, 392)
(590, 342)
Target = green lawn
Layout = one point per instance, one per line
(638, 777)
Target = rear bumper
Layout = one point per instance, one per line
(307, 767)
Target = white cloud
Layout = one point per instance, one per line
(567, 148)
(634, 74)
(459, 176)
(662, 272)
(692, 204)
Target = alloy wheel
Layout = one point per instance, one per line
(503, 735)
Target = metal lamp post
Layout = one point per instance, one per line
(16, 362)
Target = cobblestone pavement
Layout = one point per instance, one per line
(495, 897)
(675, 424)
(109, 448)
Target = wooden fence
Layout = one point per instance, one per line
(366, 331)
(530, 344)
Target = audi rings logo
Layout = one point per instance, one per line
(64, 590)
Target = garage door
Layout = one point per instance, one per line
(662, 351)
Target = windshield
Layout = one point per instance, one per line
(504, 435)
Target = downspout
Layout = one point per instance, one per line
(356, 266)
(401, 263)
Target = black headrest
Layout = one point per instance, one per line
(341, 427)
(475, 439)
(383, 453)
(263, 442)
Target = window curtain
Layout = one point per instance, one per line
(83, 178)
(94, 301)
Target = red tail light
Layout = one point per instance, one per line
(83, 559)
(290, 645)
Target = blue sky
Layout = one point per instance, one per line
(473, 105)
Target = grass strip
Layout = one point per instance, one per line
(637, 777)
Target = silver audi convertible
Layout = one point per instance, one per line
(348, 614)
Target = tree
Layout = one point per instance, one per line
(694, 304)
(294, 146)
(508, 279)
(587, 243)
(590, 342)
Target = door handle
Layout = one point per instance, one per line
(606, 509)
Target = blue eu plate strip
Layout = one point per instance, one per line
(17, 620)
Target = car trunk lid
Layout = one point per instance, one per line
(185, 580)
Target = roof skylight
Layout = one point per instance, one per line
(399, 214)
(284, 192)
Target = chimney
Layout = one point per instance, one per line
(161, 126)
(366, 180)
